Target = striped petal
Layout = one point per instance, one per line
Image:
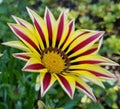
(65, 38)
(47, 80)
(93, 49)
(95, 70)
(25, 35)
(72, 37)
(83, 42)
(67, 83)
(23, 56)
(24, 23)
(41, 28)
(93, 59)
(16, 44)
(63, 29)
(89, 76)
(34, 65)
(81, 85)
(50, 23)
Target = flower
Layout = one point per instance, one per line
(58, 52)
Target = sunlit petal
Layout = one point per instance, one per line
(83, 42)
(95, 70)
(91, 77)
(17, 44)
(46, 80)
(93, 59)
(40, 26)
(34, 65)
(81, 85)
(67, 83)
(23, 56)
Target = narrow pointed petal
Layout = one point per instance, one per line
(69, 32)
(83, 43)
(89, 76)
(93, 49)
(47, 80)
(23, 23)
(16, 44)
(93, 59)
(62, 29)
(50, 23)
(34, 65)
(38, 84)
(23, 56)
(25, 35)
(67, 83)
(81, 85)
(99, 43)
(95, 70)
(72, 37)
(40, 26)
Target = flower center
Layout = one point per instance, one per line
(55, 60)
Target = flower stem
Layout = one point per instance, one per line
(38, 103)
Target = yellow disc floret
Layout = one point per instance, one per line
(53, 62)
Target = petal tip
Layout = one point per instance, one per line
(14, 17)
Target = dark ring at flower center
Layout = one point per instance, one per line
(55, 60)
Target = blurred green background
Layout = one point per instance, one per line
(17, 88)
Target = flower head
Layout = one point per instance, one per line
(60, 53)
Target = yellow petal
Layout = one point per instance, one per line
(94, 59)
(24, 23)
(23, 56)
(47, 80)
(67, 83)
(87, 75)
(34, 65)
(17, 44)
(41, 27)
(81, 85)
(101, 72)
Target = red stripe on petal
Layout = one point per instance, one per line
(22, 56)
(86, 42)
(49, 25)
(91, 62)
(66, 84)
(88, 52)
(79, 36)
(99, 74)
(34, 67)
(46, 81)
(69, 31)
(83, 88)
(60, 27)
(24, 37)
(20, 23)
(39, 29)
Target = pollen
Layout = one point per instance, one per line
(53, 62)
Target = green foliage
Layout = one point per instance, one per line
(112, 45)
(17, 88)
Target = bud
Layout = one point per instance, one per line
(41, 105)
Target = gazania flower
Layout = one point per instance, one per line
(58, 52)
